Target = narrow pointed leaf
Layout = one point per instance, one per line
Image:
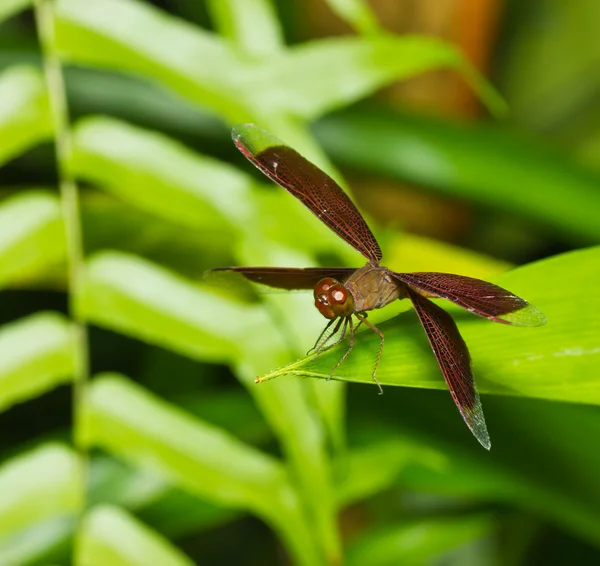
(417, 541)
(32, 237)
(131, 295)
(252, 26)
(125, 419)
(24, 111)
(41, 484)
(134, 36)
(36, 355)
(358, 14)
(558, 361)
(317, 77)
(110, 535)
(159, 174)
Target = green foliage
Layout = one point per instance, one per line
(42, 491)
(32, 238)
(24, 115)
(528, 362)
(486, 166)
(418, 541)
(37, 355)
(111, 536)
(169, 453)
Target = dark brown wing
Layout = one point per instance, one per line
(291, 277)
(479, 297)
(316, 190)
(453, 358)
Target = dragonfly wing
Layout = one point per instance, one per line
(455, 362)
(477, 296)
(311, 186)
(290, 277)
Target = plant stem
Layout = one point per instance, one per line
(44, 15)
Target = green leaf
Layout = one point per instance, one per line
(373, 468)
(527, 435)
(410, 252)
(131, 295)
(36, 355)
(252, 26)
(9, 8)
(160, 175)
(110, 535)
(317, 77)
(417, 541)
(358, 14)
(125, 419)
(163, 241)
(476, 162)
(24, 111)
(558, 361)
(40, 484)
(306, 81)
(133, 36)
(32, 237)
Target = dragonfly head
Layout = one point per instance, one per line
(333, 299)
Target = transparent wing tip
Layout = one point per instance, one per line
(475, 420)
(527, 316)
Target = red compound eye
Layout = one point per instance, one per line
(340, 300)
(323, 286)
(333, 299)
(337, 294)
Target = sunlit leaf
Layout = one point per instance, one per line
(558, 361)
(126, 293)
(39, 543)
(36, 355)
(410, 252)
(323, 75)
(160, 175)
(110, 535)
(24, 111)
(125, 419)
(133, 296)
(134, 36)
(38, 485)
(252, 26)
(32, 236)
(307, 81)
(417, 541)
(476, 162)
(166, 242)
(357, 13)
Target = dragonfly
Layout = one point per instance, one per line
(345, 295)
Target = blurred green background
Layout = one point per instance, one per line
(132, 430)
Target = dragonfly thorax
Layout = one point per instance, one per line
(333, 299)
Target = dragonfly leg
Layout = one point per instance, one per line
(347, 322)
(318, 347)
(380, 334)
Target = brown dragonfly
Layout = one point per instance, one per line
(342, 294)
